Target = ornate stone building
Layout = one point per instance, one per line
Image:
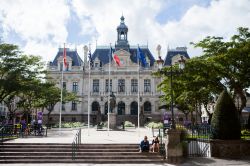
(93, 80)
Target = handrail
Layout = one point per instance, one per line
(76, 143)
(162, 145)
(1, 131)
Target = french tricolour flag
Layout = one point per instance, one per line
(116, 59)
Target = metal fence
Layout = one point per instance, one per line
(9, 132)
(196, 140)
(76, 144)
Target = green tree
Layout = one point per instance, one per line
(196, 84)
(231, 61)
(225, 121)
(17, 73)
(50, 95)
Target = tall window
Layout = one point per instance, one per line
(95, 85)
(64, 85)
(147, 85)
(121, 108)
(134, 85)
(134, 108)
(107, 85)
(147, 107)
(95, 106)
(75, 87)
(74, 106)
(121, 85)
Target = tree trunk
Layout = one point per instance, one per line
(48, 115)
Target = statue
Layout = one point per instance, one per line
(158, 49)
(112, 101)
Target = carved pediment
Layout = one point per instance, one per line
(124, 57)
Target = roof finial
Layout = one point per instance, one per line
(122, 18)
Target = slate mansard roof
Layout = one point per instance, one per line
(103, 55)
(76, 59)
(173, 52)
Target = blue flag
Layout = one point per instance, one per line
(110, 54)
(141, 57)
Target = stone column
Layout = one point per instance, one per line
(173, 146)
(112, 120)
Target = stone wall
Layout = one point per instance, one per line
(230, 148)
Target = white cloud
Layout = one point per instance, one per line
(42, 24)
(221, 18)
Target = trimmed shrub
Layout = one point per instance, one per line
(155, 125)
(128, 124)
(225, 121)
(70, 125)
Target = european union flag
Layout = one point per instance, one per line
(141, 57)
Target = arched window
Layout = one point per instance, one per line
(106, 108)
(134, 108)
(147, 107)
(122, 36)
(121, 108)
(95, 106)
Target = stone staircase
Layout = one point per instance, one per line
(62, 153)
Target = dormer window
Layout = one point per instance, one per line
(96, 64)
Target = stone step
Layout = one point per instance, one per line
(87, 153)
(70, 145)
(78, 153)
(31, 156)
(69, 150)
(115, 144)
(85, 146)
(99, 161)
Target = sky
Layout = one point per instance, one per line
(40, 27)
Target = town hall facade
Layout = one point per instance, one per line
(131, 83)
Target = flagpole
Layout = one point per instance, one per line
(138, 112)
(89, 89)
(60, 112)
(109, 87)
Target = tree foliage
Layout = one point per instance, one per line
(223, 64)
(22, 82)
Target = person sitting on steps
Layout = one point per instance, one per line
(155, 144)
(144, 146)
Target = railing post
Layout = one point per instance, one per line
(2, 133)
(76, 143)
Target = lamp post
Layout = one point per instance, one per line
(172, 96)
(181, 63)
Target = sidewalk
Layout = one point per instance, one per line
(131, 135)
